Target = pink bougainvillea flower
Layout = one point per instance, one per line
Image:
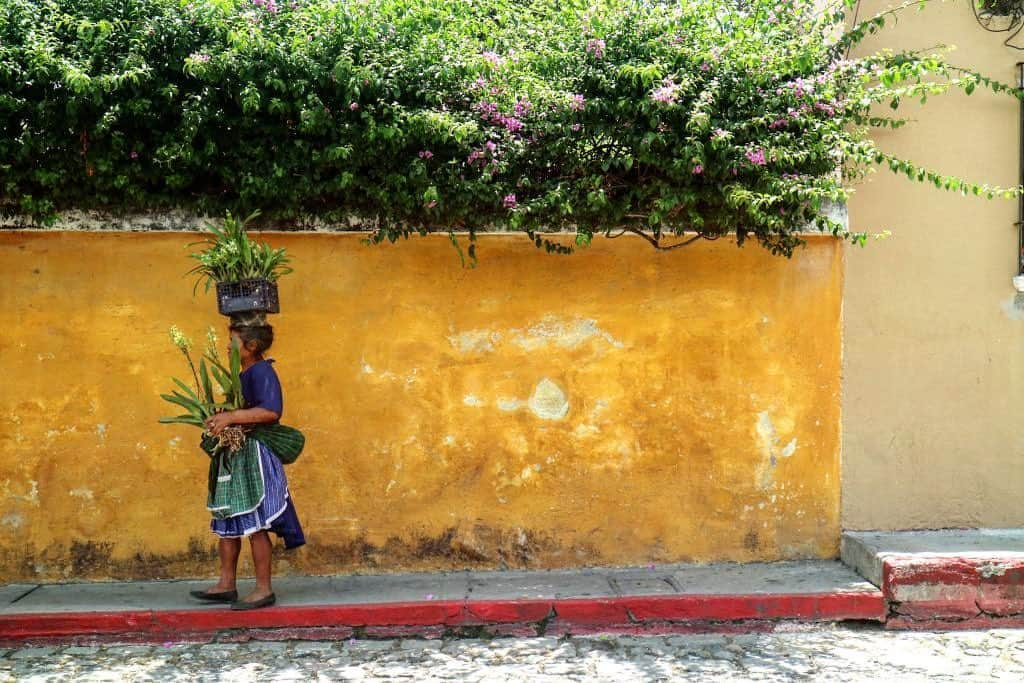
(698, 169)
(756, 157)
(511, 123)
(667, 93)
(493, 58)
(510, 201)
(595, 46)
(576, 102)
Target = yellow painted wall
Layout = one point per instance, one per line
(619, 406)
(933, 345)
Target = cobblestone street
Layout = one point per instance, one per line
(826, 652)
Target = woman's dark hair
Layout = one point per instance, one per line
(261, 337)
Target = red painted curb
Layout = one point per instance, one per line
(947, 592)
(381, 619)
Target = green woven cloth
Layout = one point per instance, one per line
(284, 442)
(234, 484)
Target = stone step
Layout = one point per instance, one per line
(950, 578)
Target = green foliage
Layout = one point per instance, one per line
(201, 403)
(231, 256)
(709, 118)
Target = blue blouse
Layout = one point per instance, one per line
(261, 388)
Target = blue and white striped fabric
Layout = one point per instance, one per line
(275, 502)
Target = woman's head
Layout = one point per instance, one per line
(254, 339)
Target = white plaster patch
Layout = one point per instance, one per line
(472, 400)
(582, 431)
(768, 436)
(31, 497)
(45, 356)
(449, 440)
(509, 404)
(766, 430)
(474, 341)
(13, 520)
(567, 334)
(173, 443)
(81, 493)
(365, 367)
(548, 401)
(101, 432)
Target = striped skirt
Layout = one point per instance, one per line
(275, 511)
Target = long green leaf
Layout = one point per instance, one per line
(182, 419)
(188, 392)
(236, 370)
(180, 400)
(223, 378)
(204, 376)
(199, 410)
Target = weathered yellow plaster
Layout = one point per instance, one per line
(619, 406)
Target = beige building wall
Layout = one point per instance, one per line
(933, 347)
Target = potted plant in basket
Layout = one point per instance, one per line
(244, 272)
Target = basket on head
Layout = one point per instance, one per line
(255, 294)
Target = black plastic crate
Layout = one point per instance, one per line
(247, 295)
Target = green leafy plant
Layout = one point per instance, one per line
(231, 256)
(202, 402)
(672, 120)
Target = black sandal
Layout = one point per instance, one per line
(255, 604)
(223, 596)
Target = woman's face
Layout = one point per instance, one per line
(234, 340)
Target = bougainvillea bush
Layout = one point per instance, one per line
(674, 120)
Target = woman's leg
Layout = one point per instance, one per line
(228, 549)
(261, 552)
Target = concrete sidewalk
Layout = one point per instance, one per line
(654, 599)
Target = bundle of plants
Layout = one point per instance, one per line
(200, 401)
(672, 120)
(218, 387)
